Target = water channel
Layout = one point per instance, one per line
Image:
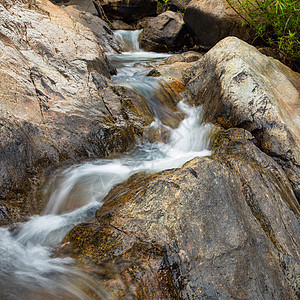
(28, 267)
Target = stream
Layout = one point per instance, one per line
(28, 267)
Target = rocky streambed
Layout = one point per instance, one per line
(138, 194)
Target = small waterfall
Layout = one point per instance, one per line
(96, 179)
(25, 255)
(129, 40)
(28, 269)
(192, 135)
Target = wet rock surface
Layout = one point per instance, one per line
(176, 66)
(212, 20)
(240, 87)
(56, 102)
(163, 33)
(224, 226)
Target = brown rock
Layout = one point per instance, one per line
(55, 99)
(120, 25)
(176, 6)
(174, 58)
(212, 20)
(163, 33)
(172, 71)
(83, 5)
(189, 56)
(129, 10)
(163, 104)
(223, 227)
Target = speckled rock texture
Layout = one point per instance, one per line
(240, 87)
(89, 6)
(56, 102)
(221, 227)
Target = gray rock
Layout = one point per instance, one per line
(83, 5)
(240, 87)
(56, 102)
(100, 29)
(163, 33)
(212, 20)
(221, 227)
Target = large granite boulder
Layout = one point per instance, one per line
(240, 87)
(163, 33)
(56, 102)
(129, 10)
(221, 227)
(213, 20)
(99, 28)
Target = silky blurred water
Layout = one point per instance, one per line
(28, 269)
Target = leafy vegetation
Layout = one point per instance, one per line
(162, 2)
(166, 3)
(276, 21)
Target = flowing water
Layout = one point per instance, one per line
(28, 269)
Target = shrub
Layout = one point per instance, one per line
(276, 21)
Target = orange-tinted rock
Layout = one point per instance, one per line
(56, 102)
(224, 226)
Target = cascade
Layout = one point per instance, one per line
(129, 40)
(27, 264)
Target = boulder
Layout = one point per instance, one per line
(163, 33)
(173, 5)
(189, 56)
(120, 25)
(221, 227)
(130, 10)
(174, 58)
(240, 87)
(56, 102)
(83, 5)
(176, 6)
(99, 28)
(171, 71)
(174, 69)
(213, 20)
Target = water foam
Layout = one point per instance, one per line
(26, 262)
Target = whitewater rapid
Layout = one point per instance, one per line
(26, 260)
